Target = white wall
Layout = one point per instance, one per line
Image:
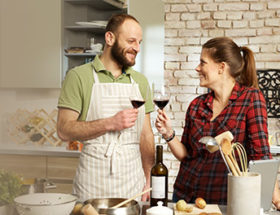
(150, 60)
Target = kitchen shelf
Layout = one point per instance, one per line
(99, 30)
(101, 4)
(82, 54)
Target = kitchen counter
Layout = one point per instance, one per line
(40, 150)
(223, 208)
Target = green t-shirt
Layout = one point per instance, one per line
(77, 86)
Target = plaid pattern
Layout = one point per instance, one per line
(204, 174)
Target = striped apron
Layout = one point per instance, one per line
(110, 166)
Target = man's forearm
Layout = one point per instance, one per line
(147, 148)
(84, 130)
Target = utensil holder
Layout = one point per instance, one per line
(244, 194)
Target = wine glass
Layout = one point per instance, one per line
(136, 98)
(160, 97)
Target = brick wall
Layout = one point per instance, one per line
(189, 24)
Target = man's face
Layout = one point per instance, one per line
(127, 43)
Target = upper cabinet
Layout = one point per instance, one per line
(34, 35)
(84, 27)
(30, 43)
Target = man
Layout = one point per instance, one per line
(94, 107)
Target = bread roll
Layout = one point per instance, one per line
(200, 203)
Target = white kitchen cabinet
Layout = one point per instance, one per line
(30, 43)
(76, 35)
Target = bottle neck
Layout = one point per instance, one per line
(159, 154)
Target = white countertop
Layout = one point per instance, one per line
(32, 149)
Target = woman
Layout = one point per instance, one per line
(234, 104)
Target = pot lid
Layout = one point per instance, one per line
(162, 210)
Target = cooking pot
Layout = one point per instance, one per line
(45, 204)
(103, 206)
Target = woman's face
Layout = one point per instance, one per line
(208, 70)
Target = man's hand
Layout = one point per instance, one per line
(146, 196)
(124, 119)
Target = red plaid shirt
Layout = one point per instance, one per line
(204, 174)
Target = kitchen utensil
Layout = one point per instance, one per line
(211, 141)
(242, 156)
(132, 198)
(227, 150)
(104, 206)
(45, 204)
(159, 210)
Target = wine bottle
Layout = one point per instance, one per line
(159, 179)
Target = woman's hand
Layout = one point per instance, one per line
(163, 124)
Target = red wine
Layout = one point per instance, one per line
(161, 103)
(137, 103)
(159, 180)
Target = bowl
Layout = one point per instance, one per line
(103, 206)
(45, 204)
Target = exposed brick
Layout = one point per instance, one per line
(272, 65)
(205, 15)
(172, 65)
(174, 24)
(193, 24)
(241, 40)
(216, 33)
(238, 32)
(273, 5)
(190, 33)
(188, 16)
(174, 57)
(254, 48)
(176, 107)
(224, 24)
(193, 57)
(260, 65)
(178, 8)
(189, 89)
(179, 115)
(256, 23)
(264, 31)
(184, 73)
(219, 15)
(177, 1)
(190, 49)
(171, 32)
(233, 6)
(265, 39)
(257, 6)
(167, 7)
(267, 57)
(208, 24)
(272, 22)
(171, 50)
(210, 7)
(194, 7)
(265, 14)
(188, 81)
(268, 48)
(249, 15)
(240, 24)
(172, 16)
(204, 40)
(234, 15)
(192, 41)
(174, 41)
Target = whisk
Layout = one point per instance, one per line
(242, 156)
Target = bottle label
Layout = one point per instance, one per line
(158, 185)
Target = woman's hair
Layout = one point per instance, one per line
(117, 20)
(240, 59)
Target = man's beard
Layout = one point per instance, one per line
(118, 54)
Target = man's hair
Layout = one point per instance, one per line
(117, 20)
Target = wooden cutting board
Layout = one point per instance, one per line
(210, 209)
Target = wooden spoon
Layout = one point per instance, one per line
(227, 149)
(132, 198)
